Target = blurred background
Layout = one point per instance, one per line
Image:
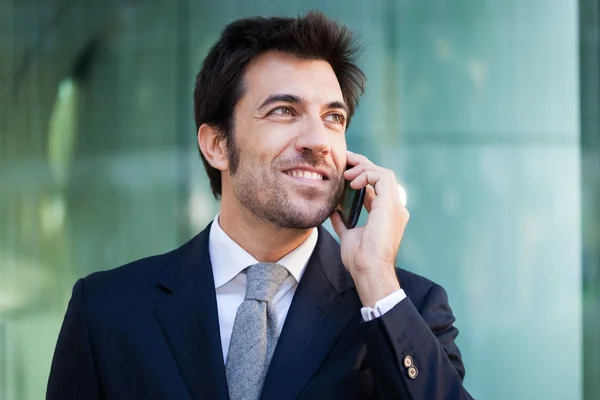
(488, 111)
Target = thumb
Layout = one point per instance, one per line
(338, 224)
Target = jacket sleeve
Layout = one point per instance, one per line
(73, 373)
(413, 354)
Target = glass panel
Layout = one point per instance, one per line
(90, 165)
(590, 163)
(474, 105)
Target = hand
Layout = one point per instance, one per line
(369, 251)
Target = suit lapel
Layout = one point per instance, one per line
(187, 313)
(317, 317)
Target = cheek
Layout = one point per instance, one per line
(251, 151)
(259, 155)
(275, 143)
(338, 151)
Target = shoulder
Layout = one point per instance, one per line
(144, 273)
(132, 287)
(118, 290)
(128, 277)
(418, 288)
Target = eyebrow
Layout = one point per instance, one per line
(294, 99)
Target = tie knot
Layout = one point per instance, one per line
(264, 280)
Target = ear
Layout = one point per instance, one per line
(213, 147)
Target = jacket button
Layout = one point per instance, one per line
(413, 372)
(408, 361)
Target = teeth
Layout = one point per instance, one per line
(305, 174)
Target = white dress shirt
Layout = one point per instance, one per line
(229, 262)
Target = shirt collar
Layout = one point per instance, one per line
(228, 259)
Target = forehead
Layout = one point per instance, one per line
(277, 72)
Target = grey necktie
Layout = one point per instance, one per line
(255, 333)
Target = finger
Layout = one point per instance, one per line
(382, 180)
(353, 172)
(355, 158)
(369, 197)
(338, 224)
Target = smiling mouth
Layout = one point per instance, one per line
(299, 173)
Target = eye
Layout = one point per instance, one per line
(336, 118)
(282, 111)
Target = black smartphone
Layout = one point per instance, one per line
(351, 205)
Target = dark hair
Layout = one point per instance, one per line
(219, 84)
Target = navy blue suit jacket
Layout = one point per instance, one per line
(150, 330)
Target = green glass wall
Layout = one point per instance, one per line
(477, 106)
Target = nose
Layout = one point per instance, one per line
(313, 136)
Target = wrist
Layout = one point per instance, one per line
(373, 286)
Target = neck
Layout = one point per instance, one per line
(260, 238)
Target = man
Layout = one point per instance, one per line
(264, 303)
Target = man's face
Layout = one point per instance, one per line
(289, 138)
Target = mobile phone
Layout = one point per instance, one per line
(351, 205)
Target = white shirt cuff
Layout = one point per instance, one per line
(382, 306)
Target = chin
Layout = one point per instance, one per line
(299, 223)
(290, 209)
(308, 214)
